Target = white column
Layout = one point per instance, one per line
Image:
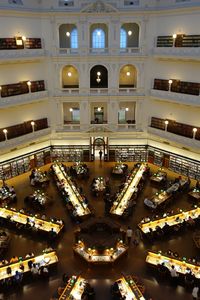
(84, 114)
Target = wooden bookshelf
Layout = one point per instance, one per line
(127, 153)
(33, 43)
(177, 86)
(37, 86)
(20, 88)
(17, 43)
(181, 40)
(23, 128)
(165, 41)
(161, 84)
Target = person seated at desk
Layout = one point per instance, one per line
(149, 203)
(163, 270)
(3, 262)
(166, 228)
(159, 231)
(197, 184)
(14, 259)
(18, 277)
(13, 194)
(30, 254)
(52, 234)
(189, 278)
(35, 270)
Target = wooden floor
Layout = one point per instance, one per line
(100, 277)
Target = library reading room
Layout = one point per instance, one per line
(99, 149)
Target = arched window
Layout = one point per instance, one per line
(74, 38)
(98, 38)
(123, 38)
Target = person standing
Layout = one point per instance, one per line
(100, 154)
(129, 234)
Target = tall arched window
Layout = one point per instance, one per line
(98, 38)
(74, 38)
(123, 38)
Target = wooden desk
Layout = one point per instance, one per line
(74, 288)
(95, 257)
(159, 177)
(161, 197)
(121, 203)
(129, 289)
(99, 184)
(21, 218)
(79, 206)
(119, 169)
(80, 169)
(170, 220)
(5, 195)
(45, 259)
(195, 194)
(156, 259)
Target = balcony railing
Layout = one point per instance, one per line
(72, 127)
(23, 53)
(176, 51)
(99, 91)
(126, 127)
(68, 51)
(25, 98)
(30, 137)
(188, 142)
(176, 97)
(99, 51)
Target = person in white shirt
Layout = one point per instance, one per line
(173, 272)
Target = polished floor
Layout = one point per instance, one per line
(100, 277)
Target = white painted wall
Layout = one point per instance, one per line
(180, 113)
(16, 115)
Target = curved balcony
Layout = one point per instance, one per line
(182, 140)
(175, 97)
(24, 98)
(27, 138)
(13, 55)
(176, 52)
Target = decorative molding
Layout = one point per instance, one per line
(99, 7)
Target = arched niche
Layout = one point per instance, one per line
(128, 77)
(98, 77)
(68, 36)
(129, 35)
(70, 77)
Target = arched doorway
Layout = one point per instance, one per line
(98, 144)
